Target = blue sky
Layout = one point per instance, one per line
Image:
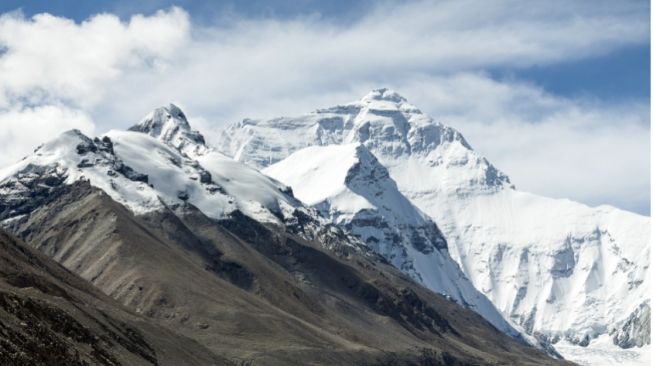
(555, 93)
(619, 75)
(202, 11)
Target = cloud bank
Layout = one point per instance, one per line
(435, 53)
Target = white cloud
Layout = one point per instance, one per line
(52, 58)
(53, 72)
(25, 129)
(267, 67)
(433, 52)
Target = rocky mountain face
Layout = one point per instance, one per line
(559, 269)
(220, 254)
(634, 331)
(169, 124)
(49, 316)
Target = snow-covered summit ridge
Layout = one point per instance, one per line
(155, 163)
(169, 124)
(395, 131)
(67, 158)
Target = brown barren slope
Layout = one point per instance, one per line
(50, 316)
(259, 295)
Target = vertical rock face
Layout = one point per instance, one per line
(557, 267)
(634, 330)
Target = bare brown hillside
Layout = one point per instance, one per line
(259, 295)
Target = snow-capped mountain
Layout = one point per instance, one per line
(396, 132)
(560, 269)
(348, 185)
(159, 162)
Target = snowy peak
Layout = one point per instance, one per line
(70, 157)
(386, 100)
(350, 187)
(368, 178)
(542, 262)
(143, 173)
(163, 122)
(169, 125)
(401, 137)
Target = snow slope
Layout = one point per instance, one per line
(350, 187)
(560, 269)
(68, 158)
(603, 351)
(145, 172)
(161, 162)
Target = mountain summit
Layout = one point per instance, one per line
(169, 125)
(395, 131)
